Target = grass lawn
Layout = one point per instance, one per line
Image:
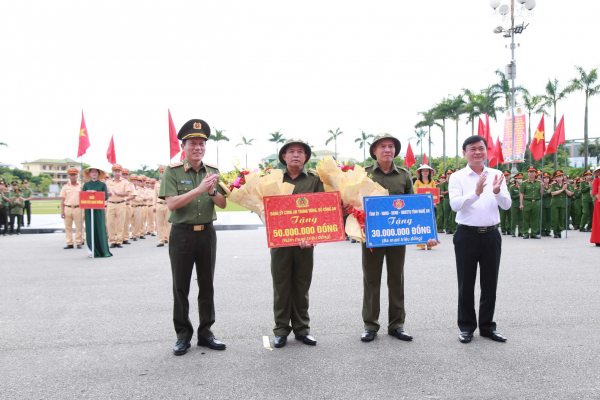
(53, 207)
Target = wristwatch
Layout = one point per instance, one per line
(214, 193)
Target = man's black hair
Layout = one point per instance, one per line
(474, 139)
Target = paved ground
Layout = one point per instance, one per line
(72, 327)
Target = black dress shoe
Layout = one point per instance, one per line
(504, 233)
(513, 235)
(69, 246)
(525, 236)
(79, 246)
(141, 237)
(126, 242)
(368, 335)
(555, 236)
(112, 246)
(306, 339)
(598, 244)
(181, 347)
(495, 336)
(535, 237)
(160, 245)
(353, 241)
(465, 337)
(119, 245)
(211, 343)
(154, 234)
(280, 341)
(520, 235)
(401, 334)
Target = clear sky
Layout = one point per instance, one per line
(253, 67)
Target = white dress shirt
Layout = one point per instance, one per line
(476, 210)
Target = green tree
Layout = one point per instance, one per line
(333, 137)
(3, 144)
(593, 150)
(534, 105)
(420, 135)
(428, 121)
(245, 143)
(442, 111)
(455, 110)
(586, 82)
(472, 108)
(551, 98)
(277, 137)
(218, 137)
(503, 87)
(362, 139)
(487, 103)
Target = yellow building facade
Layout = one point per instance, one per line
(57, 169)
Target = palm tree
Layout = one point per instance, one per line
(277, 138)
(420, 134)
(472, 108)
(442, 111)
(363, 144)
(333, 137)
(3, 144)
(428, 121)
(245, 143)
(455, 110)
(534, 105)
(217, 137)
(487, 103)
(585, 82)
(503, 87)
(551, 98)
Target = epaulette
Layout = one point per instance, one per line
(211, 165)
(314, 173)
(404, 169)
(177, 164)
(370, 166)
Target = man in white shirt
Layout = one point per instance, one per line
(475, 193)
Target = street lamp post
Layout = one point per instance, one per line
(524, 9)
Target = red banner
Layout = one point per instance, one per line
(434, 191)
(314, 217)
(91, 200)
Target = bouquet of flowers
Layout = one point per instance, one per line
(353, 184)
(249, 188)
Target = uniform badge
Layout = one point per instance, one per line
(186, 182)
(197, 125)
(186, 167)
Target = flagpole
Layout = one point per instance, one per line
(81, 209)
(567, 197)
(542, 200)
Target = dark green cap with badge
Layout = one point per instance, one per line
(290, 142)
(194, 128)
(382, 136)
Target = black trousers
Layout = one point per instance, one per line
(472, 248)
(27, 210)
(15, 218)
(4, 219)
(187, 248)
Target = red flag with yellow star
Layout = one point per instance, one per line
(537, 147)
(84, 139)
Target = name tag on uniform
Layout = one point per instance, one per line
(186, 182)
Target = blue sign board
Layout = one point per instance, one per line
(399, 220)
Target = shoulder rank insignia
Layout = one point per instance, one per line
(177, 164)
(211, 165)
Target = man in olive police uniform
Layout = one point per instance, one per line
(530, 194)
(291, 267)
(397, 180)
(191, 192)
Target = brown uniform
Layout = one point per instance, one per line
(116, 208)
(149, 210)
(137, 205)
(162, 216)
(70, 194)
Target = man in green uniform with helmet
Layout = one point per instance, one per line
(191, 192)
(530, 194)
(398, 181)
(560, 190)
(516, 216)
(587, 203)
(546, 205)
(292, 267)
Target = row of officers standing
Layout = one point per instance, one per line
(132, 209)
(15, 202)
(541, 199)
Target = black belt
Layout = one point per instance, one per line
(71, 206)
(116, 202)
(189, 227)
(479, 229)
(532, 200)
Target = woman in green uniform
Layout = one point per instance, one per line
(576, 206)
(96, 184)
(546, 206)
(559, 192)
